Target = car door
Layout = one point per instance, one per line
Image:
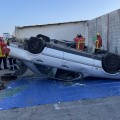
(76, 62)
(50, 57)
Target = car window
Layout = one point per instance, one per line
(46, 70)
(56, 73)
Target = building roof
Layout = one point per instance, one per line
(22, 27)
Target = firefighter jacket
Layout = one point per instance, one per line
(97, 44)
(99, 39)
(80, 43)
(2, 50)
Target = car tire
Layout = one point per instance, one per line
(45, 38)
(111, 63)
(35, 45)
(8, 77)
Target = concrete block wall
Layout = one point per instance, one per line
(114, 32)
(109, 28)
(99, 25)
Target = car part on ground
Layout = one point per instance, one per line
(8, 77)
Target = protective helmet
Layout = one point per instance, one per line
(98, 33)
(79, 35)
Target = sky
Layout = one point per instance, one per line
(36, 12)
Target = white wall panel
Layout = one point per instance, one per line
(65, 31)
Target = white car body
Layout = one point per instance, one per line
(66, 58)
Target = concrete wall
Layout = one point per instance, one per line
(65, 31)
(109, 27)
(114, 31)
(97, 25)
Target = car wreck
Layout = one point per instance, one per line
(60, 60)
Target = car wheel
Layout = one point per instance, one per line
(111, 63)
(35, 45)
(45, 38)
(8, 77)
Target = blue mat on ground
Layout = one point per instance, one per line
(36, 91)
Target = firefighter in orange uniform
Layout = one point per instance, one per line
(80, 42)
(98, 43)
(3, 48)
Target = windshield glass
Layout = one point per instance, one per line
(57, 73)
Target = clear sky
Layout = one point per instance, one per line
(35, 12)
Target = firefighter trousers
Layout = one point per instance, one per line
(3, 59)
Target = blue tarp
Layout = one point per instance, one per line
(36, 91)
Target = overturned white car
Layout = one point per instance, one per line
(59, 60)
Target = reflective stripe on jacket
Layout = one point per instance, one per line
(97, 44)
(2, 51)
(80, 44)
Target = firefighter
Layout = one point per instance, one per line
(12, 61)
(2, 54)
(80, 42)
(98, 43)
